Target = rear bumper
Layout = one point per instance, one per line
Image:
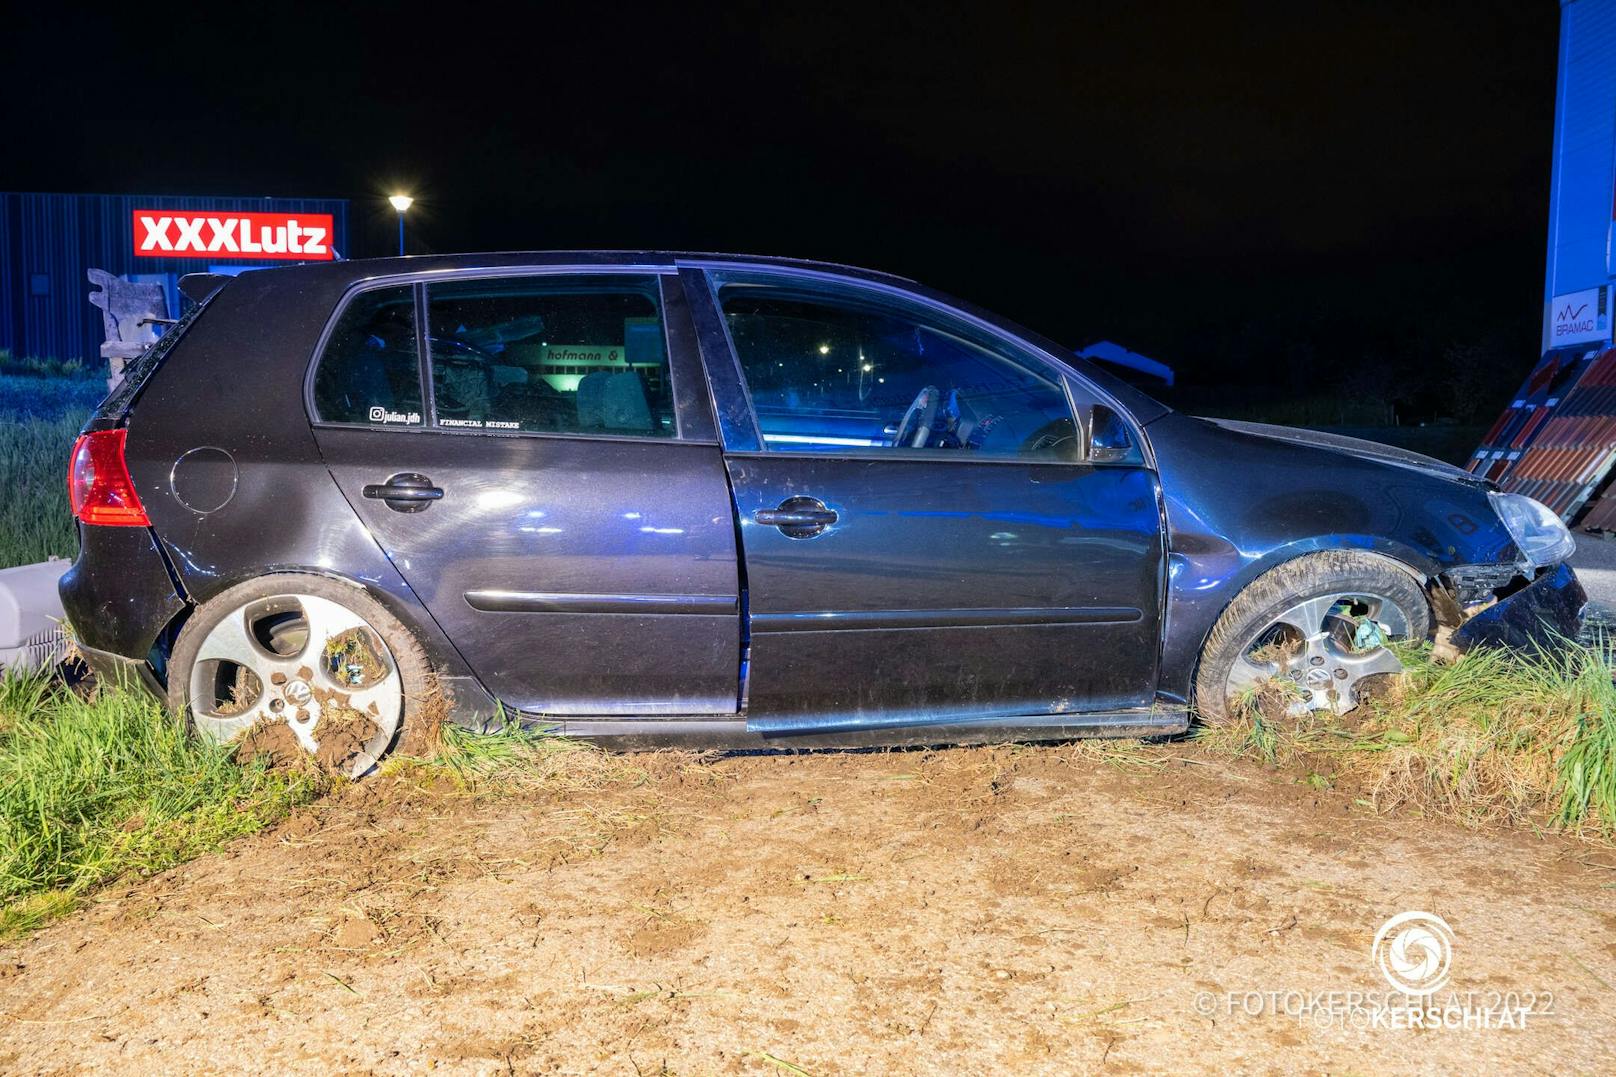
(115, 669)
(1541, 616)
(118, 595)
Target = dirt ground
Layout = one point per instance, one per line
(1032, 910)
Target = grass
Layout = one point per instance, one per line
(47, 388)
(35, 521)
(31, 367)
(43, 403)
(92, 791)
(1494, 737)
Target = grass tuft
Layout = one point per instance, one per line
(1494, 737)
(510, 759)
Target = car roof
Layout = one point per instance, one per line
(358, 269)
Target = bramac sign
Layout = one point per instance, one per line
(1580, 317)
(260, 237)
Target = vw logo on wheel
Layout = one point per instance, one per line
(1413, 951)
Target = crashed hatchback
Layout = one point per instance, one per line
(734, 502)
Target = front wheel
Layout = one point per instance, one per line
(298, 663)
(1315, 631)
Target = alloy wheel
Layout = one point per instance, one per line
(304, 661)
(1321, 650)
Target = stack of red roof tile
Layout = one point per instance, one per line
(1557, 440)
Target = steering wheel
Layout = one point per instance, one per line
(916, 425)
(1057, 439)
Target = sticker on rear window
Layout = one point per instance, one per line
(382, 415)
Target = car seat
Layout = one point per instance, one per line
(613, 400)
(533, 404)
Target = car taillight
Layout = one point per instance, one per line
(98, 482)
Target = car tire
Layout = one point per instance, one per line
(1315, 576)
(350, 605)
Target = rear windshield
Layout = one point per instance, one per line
(138, 371)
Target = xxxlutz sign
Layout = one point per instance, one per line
(266, 237)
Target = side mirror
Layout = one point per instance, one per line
(1109, 439)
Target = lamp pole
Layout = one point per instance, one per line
(401, 202)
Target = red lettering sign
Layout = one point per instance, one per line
(228, 236)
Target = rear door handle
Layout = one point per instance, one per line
(798, 517)
(405, 492)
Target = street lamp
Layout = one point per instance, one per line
(401, 202)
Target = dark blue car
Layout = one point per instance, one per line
(668, 499)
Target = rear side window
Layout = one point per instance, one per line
(550, 354)
(370, 371)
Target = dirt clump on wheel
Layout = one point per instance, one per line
(272, 742)
(343, 734)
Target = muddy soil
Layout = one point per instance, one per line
(1042, 910)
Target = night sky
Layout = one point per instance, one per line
(1261, 195)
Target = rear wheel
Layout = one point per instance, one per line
(1313, 633)
(290, 663)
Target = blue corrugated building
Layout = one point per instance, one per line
(49, 241)
(1556, 441)
(1581, 274)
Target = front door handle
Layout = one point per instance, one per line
(405, 492)
(798, 517)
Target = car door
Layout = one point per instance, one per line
(556, 496)
(926, 528)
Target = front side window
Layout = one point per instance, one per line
(550, 354)
(828, 373)
(370, 370)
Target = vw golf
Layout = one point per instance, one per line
(736, 502)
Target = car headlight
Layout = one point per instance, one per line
(1539, 532)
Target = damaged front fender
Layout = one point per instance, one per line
(1539, 617)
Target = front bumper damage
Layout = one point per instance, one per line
(1541, 616)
